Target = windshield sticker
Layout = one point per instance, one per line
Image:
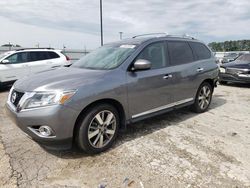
(127, 46)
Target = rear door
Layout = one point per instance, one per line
(150, 90)
(184, 71)
(204, 63)
(40, 61)
(17, 67)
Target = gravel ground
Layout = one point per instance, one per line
(177, 149)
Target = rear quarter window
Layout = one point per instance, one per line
(53, 55)
(200, 51)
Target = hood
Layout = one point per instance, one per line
(59, 79)
(237, 64)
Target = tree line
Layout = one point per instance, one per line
(239, 45)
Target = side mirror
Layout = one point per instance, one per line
(5, 61)
(141, 64)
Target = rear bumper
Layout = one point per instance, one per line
(233, 78)
(60, 119)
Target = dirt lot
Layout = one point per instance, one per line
(178, 149)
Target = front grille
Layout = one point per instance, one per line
(16, 97)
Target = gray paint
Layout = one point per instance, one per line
(139, 92)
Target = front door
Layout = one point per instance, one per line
(16, 68)
(150, 90)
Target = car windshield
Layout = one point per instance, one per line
(245, 57)
(106, 57)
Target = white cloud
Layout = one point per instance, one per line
(78, 20)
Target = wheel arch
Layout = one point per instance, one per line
(113, 102)
(210, 81)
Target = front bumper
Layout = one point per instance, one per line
(59, 118)
(234, 78)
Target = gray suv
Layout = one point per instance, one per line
(117, 84)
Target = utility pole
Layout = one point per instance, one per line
(64, 47)
(120, 35)
(101, 22)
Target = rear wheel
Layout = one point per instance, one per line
(98, 128)
(203, 98)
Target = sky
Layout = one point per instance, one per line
(76, 23)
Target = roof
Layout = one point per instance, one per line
(144, 38)
(34, 49)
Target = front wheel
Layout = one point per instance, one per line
(98, 128)
(223, 82)
(203, 98)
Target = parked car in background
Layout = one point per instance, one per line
(228, 57)
(119, 83)
(236, 71)
(23, 62)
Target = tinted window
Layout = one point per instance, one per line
(18, 57)
(53, 55)
(200, 51)
(180, 53)
(39, 56)
(155, 53)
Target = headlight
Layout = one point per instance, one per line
(222, 70)
(41, 99)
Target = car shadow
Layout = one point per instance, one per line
(5, 89)
(144, 128)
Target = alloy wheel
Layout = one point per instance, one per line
(102, 129)
(204, 97)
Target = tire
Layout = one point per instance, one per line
(98, 128)
(203, 98)
(223, 82)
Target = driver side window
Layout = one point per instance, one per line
(155, 53)
(12, 58)
(18, 58)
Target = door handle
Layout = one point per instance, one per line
(167, 76)
(200, 69)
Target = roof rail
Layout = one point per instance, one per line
(148, 34)
(166, 35)
(34, 49)
(181, 36)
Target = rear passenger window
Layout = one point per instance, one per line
(53, 55)
(200, 51)
(179, 53)
(39, 56)
(155, 53)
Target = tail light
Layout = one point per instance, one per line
(67, 58)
